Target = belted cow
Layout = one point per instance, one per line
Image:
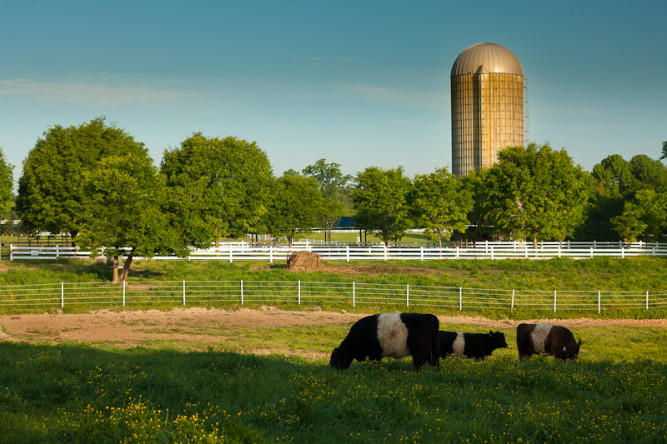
(547, 339)
(394, 335)
(470, 345)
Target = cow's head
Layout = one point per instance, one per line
(497, 339)
(339, 359)
(570, 350)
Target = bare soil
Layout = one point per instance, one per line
(131, 328)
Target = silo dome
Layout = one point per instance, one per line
(484, 58)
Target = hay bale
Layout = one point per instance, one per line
(304, 261)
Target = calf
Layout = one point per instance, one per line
(548, 339)
(470, 345)
(395, 335)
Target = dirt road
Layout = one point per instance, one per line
(130, 328)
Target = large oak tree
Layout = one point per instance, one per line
(217, 188)
(536, 193)
(51, 194)
(122, 211)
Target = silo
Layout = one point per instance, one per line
(487, 106)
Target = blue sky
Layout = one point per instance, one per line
(359, 83)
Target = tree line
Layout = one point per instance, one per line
(95, 182)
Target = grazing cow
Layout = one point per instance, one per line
(548, 339)
(390, 334)
(470, 345)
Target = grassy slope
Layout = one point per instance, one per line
(637, 275)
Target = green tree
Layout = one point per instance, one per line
(617, 183)
(295, 207)
(123, 199)
(380, 202)
(643, 215)
(664, 150)
(614, 176)
(648, 174)
(217, 188)
(332, 183)
(328, 176)
(50, 192)
(440, 204)
(6, 187)
(536, 193)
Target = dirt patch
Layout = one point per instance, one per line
(386, 269)
(131, 328)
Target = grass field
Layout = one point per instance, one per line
(211, 391)
(646, 273)
(608, 275)
(158, 393)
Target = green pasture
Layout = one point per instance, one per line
(612, 276)
(607, 274)
(213, 392)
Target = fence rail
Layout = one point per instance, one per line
(333, 293)
(245, 251)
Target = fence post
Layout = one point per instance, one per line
(354, 294)
(347, 253)
(512, 307)
(62, 295)
(270, 254)
(299, 297)
(184, 290)
(385, 251)
(647, 300)
(241, 291)
(11, 252)
(554, 301)
(460, 298)
(598, 301)
(57, 251)
(231, 258)
(123, 293)
(421, 252)
(407, 295)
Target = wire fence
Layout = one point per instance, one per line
(350, 294)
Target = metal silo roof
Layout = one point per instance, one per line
(484, 58)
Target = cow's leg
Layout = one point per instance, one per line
(523, 345)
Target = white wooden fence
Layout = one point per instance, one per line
(245, 251)
(331, 293)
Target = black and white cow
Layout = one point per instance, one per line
(549, 339)
(470, 345)
(395, 335)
